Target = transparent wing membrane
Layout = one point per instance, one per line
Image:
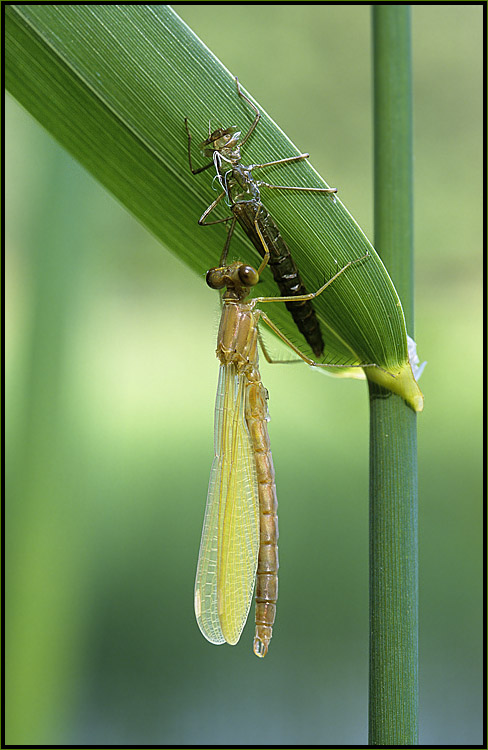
(229, 547)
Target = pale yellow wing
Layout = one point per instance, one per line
(230, 539)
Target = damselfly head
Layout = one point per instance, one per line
(238, 278)
(222, 138)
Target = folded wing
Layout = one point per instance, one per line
(229, 547)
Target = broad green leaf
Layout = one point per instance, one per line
(113, 84)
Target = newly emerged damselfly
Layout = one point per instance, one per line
(242, 192)
(240, 529)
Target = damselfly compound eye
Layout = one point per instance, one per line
(215, 278)
(248, 275)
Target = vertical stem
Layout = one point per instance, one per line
(393, 683)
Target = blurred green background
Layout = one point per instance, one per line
(111, 377)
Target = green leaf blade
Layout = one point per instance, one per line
(113, 84)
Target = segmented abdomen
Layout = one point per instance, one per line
(267, 571)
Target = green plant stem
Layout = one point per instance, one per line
(393, 684)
